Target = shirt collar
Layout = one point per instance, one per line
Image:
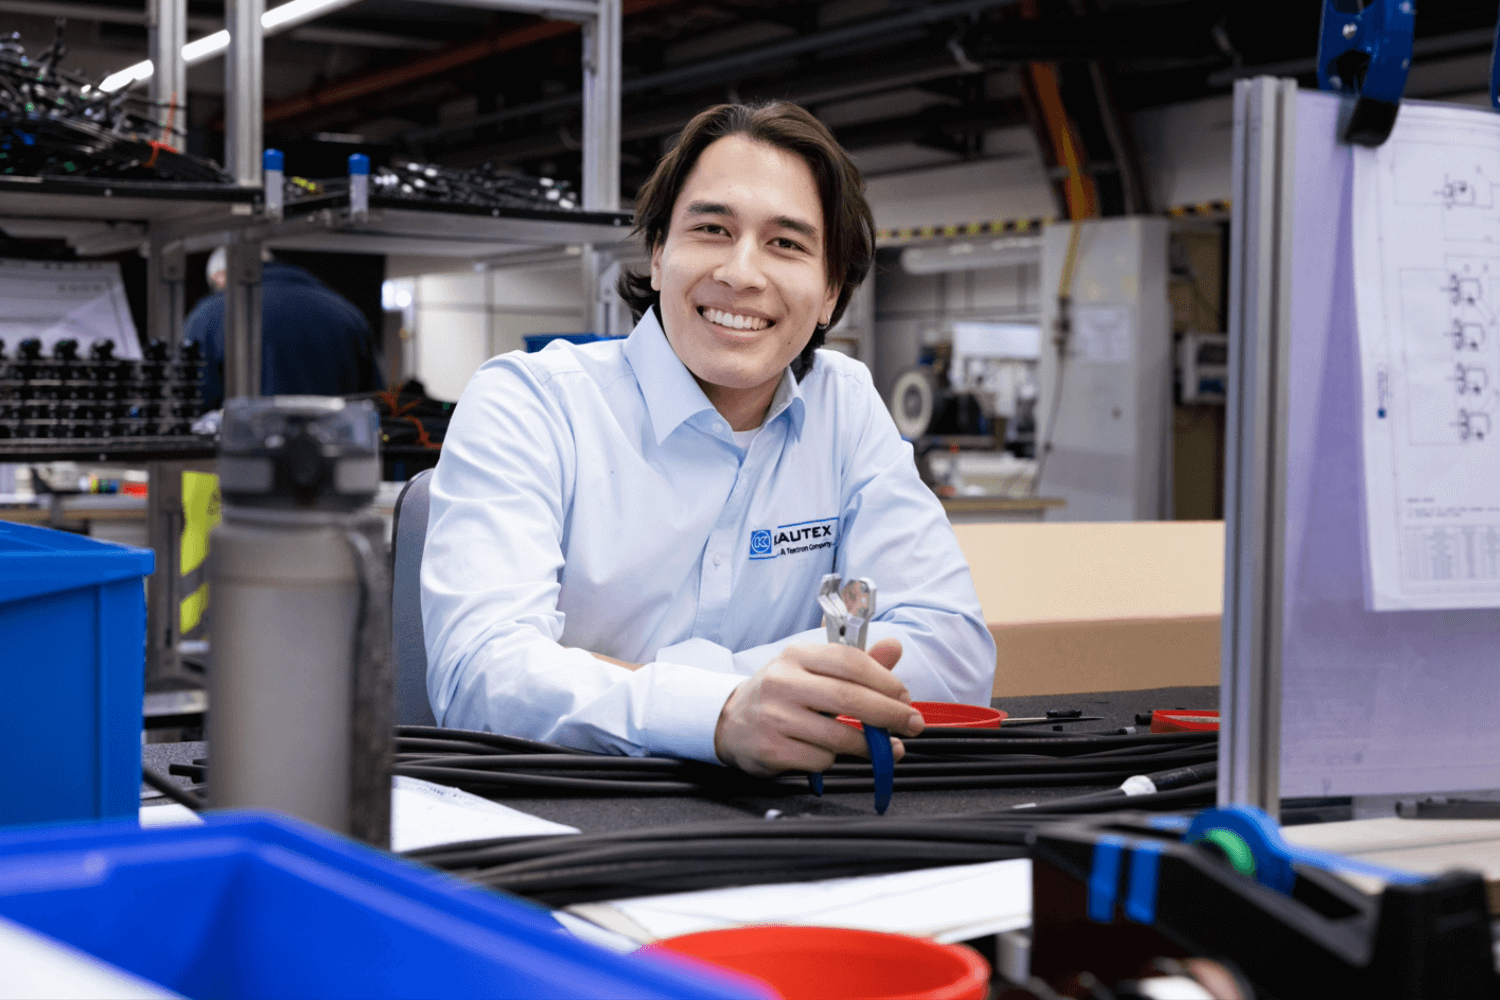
(673, 395)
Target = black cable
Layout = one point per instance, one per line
(515, 744)
(171, 789)
(559, 869)
(491, 763)
(1193, 779)
(1192, 797)
(58, 124)
(462, 778)
(959, 828)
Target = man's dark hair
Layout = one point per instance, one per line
(848, 226)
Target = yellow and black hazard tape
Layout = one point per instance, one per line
(1011, 227)
(995, 227)
(1202, 208)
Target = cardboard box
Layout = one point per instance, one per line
(1076, 608)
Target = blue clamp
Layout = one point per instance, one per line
(1140, 888)
(1366, 53)
(1274, 858)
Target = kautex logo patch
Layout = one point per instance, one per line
(790, 539)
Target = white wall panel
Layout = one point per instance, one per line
(463, 318)
(1184, 151)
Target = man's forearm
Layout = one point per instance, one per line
(611, 659)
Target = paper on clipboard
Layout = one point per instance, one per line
(62, 300)
(1427, 291)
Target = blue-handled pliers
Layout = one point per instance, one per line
(847, 611)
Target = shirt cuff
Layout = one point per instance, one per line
(682, 710)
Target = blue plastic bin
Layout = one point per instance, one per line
(72, 671)
(260, 906)
(536, 341)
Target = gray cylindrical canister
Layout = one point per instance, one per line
(299, 682)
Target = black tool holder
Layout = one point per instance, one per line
(1114, 892)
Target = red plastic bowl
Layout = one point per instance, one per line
(821, 963)
(949, 713)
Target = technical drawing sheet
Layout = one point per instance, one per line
(66, 300)
(1427, 289)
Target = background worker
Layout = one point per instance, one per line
(626, 538)
(313, 340)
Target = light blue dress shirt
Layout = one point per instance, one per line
(592, 499)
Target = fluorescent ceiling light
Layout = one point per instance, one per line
(127, 76)
(970, 255)
(208, 45)
(275, 20)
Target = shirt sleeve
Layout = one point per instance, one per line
(500, 501)
(893, 529)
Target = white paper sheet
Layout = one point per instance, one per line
(1427, 287)
(949, 904)
(423, 814)
(59, 300)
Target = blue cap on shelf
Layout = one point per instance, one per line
(359, 163)
(272, 159)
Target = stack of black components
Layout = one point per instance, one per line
(70, 397)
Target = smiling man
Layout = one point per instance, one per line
(626, 538)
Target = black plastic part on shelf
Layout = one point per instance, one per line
(125, 449)
(1323, 938)
(71, 406)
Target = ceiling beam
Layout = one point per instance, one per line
(444, 60)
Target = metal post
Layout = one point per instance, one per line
(590, 266)
(242, 318)
(1255, 465)
(243, 91)
(166, 22)
(163, 600)
(242, 157)
(601, 146)
(166, 266)
(601, 109)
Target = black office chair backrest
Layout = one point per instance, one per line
(408, 646)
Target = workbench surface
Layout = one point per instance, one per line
(601, 813)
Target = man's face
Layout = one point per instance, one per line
(741, 272)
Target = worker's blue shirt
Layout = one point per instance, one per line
(590, 498)
(313, 340)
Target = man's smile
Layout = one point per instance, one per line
(734, 321)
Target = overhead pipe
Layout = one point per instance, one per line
(448, 58)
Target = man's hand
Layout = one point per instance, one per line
(773, 721)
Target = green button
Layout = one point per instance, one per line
(1240, 857)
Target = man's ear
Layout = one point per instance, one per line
(830, 302)
(656, 268)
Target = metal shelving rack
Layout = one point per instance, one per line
(172, 219)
